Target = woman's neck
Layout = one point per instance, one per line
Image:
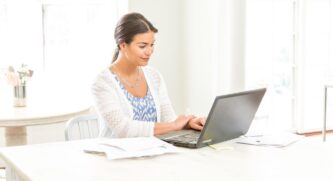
(125, 67)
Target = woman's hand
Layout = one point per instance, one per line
(182, 121)
(178, 124)
(196, 123)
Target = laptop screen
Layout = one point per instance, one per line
(230, 116)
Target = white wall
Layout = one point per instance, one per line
(166, 16)
(199, 54)
(214, 50)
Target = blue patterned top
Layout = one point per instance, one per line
(143, 107)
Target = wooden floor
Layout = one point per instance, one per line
(319, 133)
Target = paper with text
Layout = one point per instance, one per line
(275, 140)
(119, 148)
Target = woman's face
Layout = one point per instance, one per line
(140, 49)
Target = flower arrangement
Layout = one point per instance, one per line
(19, 77)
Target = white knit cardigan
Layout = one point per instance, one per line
(115, 111)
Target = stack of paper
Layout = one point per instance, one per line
(131, 147)
(275, 140)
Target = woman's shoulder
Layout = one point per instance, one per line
(103, 76)
(152, 72)
(154, 76)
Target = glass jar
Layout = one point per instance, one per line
(20, 94)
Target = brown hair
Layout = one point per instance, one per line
(128, 26)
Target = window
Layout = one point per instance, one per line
(315, 62)
(288, 49)
(3, 32)
(269, 58)
(21, 40)
(66, 40)
(78, 39)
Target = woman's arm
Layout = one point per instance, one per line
(178, 124)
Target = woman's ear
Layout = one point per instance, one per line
(122, 46)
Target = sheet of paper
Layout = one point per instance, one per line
(130, 147)
(276, 140)
(134, 144)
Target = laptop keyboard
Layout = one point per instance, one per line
(187, 138)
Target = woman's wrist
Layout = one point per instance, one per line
(162, 128)
(174, 126)
(187, 126)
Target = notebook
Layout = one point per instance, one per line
(229, 117)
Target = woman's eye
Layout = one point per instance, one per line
(142, 47)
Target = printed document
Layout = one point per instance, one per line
(275, 140)
(118, 148)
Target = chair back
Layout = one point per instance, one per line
(82, 127)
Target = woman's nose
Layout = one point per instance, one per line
(149, 51)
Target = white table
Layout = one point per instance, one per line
(308, 159)
(44, 106)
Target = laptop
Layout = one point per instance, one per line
(230, 117)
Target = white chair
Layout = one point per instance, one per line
(82, 127)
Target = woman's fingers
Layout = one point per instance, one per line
(196, 126)
(197, 123)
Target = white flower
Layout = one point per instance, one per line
(20, 77)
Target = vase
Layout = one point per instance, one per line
(20, 94)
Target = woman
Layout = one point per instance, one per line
(130, 97)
